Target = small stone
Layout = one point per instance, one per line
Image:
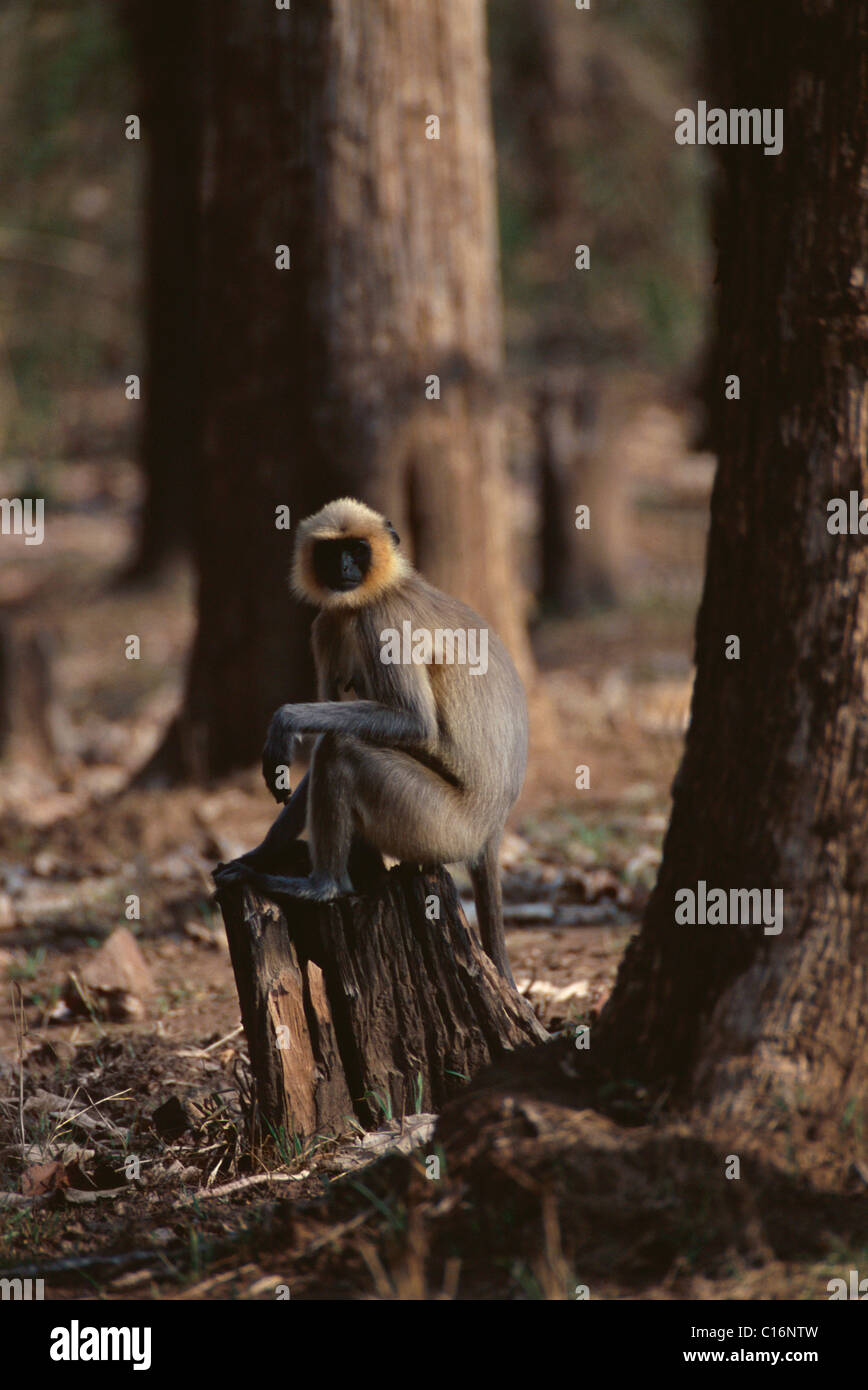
(119, 965)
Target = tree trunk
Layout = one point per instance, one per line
(367, 1008)
(314, 377)
(580, 568)
(530, 102)
(166, 41)
(29, 712)
(773, 789)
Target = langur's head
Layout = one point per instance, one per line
(345, 556)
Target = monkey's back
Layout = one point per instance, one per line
(481, 718)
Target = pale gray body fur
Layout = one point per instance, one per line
(424, 764)
(432, 736)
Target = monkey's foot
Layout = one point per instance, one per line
(317, 888)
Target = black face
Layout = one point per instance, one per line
(341, 564)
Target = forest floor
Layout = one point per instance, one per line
(126, 1168)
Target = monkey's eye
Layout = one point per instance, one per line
(393, 533)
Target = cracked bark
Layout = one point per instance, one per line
(771, 1032)
(363, 1006)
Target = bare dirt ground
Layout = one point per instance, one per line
(126, 1166)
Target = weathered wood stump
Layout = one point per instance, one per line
(371, 1006)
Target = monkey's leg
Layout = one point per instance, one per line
(271, 852)
(488, 896)
(363, 720)
(395, 804)
(407, 810)
(330, 825)
(330, 801)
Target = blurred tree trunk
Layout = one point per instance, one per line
(538, 104)
(314, 377)
(580, 568)
(773, 789)
(531, 100)
(165, 39)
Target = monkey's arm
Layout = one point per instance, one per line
(364, 719)
(410, 726)
(270, 853)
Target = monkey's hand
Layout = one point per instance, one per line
(241, 868)
(278, 753)
(231, 873)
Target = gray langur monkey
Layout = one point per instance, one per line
(426, 762)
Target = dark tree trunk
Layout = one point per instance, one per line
(314, 378)
(773, 790)
(529, 99)
(368, 1007)
(580, 569)
(166, 44)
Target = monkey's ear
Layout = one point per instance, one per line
(393, 533)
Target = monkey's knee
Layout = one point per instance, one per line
(332, 771)
(332, 766)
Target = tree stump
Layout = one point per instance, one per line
(368, 1008)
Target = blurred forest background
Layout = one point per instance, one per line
(107, 789)
(595, 404)
(165, 385)
(601, 372)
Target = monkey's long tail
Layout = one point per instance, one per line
(485, 877)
